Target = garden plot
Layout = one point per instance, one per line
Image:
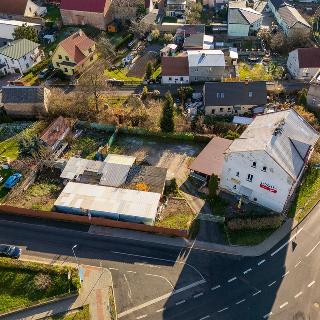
(173, 155)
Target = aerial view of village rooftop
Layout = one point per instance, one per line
(160, 159)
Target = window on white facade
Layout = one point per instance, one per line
(24, 57)
(181, 78)
(27, 65)
(221, 109)
(237, 174)
(250, 177)
(212, 111)
(170, 78)
(254, 199)
(235, 187)
(254, 164)
(264, 169)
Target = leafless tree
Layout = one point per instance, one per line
(125, 9)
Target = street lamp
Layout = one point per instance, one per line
(75, 246)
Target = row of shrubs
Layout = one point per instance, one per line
(258, 223)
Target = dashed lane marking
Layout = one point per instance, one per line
(267, 315)
(232, 279)
(248, 270)
(198, 295)
(113, 268)
(205, 317)
(224, 309)
(297, 263)
(160, 310)
(285, 274)
(308, 254)
(261, 262)
(240, 301)
(141, 317)
(298, 295)
(129, 271)
(163, 297)
(285, 244)
(216, 287)
(180, 302)
(284, 304)
(258, 292)
(272, 283)
(311, 284)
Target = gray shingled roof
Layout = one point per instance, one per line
(18, 48)
(285, 136)
(235, 93)
(16, 94)
(243, 16)
(153, 177)
(291, 16)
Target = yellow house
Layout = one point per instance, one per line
(74, 54)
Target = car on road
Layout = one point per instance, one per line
(44, 73)
(10, 251)
(12, 180)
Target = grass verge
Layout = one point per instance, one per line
(247, 237)
(307, 195)
(26, 283)
(82, 314)
(121, 74)
(112, 305)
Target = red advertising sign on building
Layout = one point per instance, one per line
(268, 187)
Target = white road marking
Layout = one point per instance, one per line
(256, 293)
(261, 262)
(267, 315)
(243, 300)
(297, 263)
(163, 297)
(129, 289)
(216, 287)
(224, 309)
(160, 310)
(284, 304)
(158, 276)
(308, 254)
(113, 268)
(206, 317)
(311, 284)
(285, 274)
(141, 317)
(232, 279)
(285, 244)
(180, 302)
(272, 283)
(129, 271)
(198, 295)
(160, 259)
(298, 294)
(248, 270)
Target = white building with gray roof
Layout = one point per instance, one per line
(266, 163)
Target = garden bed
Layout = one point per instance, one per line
(24, 283)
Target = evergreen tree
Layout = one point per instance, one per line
(167, 118)
(213, 186)
(149, 70)
(25, 32)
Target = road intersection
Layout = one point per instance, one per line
(153, 281)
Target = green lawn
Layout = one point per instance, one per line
(176, 221)
(308, 194)
(24, 283)
(79, 315)
(247, 237)
(9, 148)
(121, 74)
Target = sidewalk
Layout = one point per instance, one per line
(94, 292)
(253, 251)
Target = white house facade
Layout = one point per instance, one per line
(266, 163)
(175, 69)
(19, 56)
(304, 63)
(34, 10)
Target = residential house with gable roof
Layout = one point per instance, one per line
(243, 22)
(81, 12)
(19, 56)
(74, 54)
(304, 63)
(266, 163)
(313, 96)
(175, 69)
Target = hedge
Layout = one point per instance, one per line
(258, 223)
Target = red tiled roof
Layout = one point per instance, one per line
(17, 7)
(84, 5)
(175, 66)
(75, 45)
(309, 57)
(210, 160)
(56, 131)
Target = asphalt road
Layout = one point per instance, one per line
(156, 282)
